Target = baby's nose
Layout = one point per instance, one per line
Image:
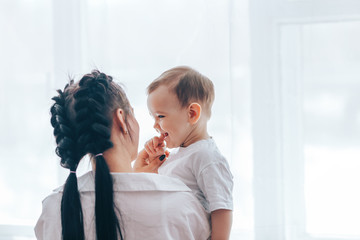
(156, 126)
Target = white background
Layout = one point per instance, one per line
(286, 112)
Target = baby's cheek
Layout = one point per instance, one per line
(162, 125)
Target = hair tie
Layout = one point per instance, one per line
(72, 172)
(99, 154)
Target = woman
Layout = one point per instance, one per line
(94, 117)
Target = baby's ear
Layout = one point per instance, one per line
(194, 111)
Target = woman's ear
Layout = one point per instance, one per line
(119, 120)
(194, 111)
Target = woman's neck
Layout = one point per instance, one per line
(117, 160)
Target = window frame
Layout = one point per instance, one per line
(276, 110)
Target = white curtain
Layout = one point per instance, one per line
(44, 42)
(286, 112)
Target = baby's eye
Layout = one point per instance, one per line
(160, 116)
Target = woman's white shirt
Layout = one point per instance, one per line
(151, 206)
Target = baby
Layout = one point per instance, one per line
(180, 101)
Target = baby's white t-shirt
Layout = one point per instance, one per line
(205, 171)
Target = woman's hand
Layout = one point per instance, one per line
(152, 156)
(145, 163)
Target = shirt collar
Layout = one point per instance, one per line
(132, 182)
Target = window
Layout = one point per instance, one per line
(304, 78)
(28, 170)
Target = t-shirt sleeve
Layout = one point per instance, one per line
(216, 183)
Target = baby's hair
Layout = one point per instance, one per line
(82, 121)
(189, 85)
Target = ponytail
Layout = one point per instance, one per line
(107, 224)
(71, 213)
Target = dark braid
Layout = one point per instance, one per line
(63, 131)
(82, 121)
(90, 105)
(93, 115)
(71, 212)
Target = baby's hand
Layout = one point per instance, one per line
(145, 163)
(151, 158)
(155, 146)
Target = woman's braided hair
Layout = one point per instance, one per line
(63, 131)
(82, 121)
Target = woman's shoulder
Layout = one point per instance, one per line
(51, 203)
(143, 182)
(48, 225)
(163, 211)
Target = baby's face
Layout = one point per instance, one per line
(170, 118)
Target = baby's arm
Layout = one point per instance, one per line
(215, 181)
(221, 221)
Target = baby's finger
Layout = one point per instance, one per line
(149, 149)
(157, 142)
(159, 148)
(162, 137)
(162, 145)
(151, 145)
